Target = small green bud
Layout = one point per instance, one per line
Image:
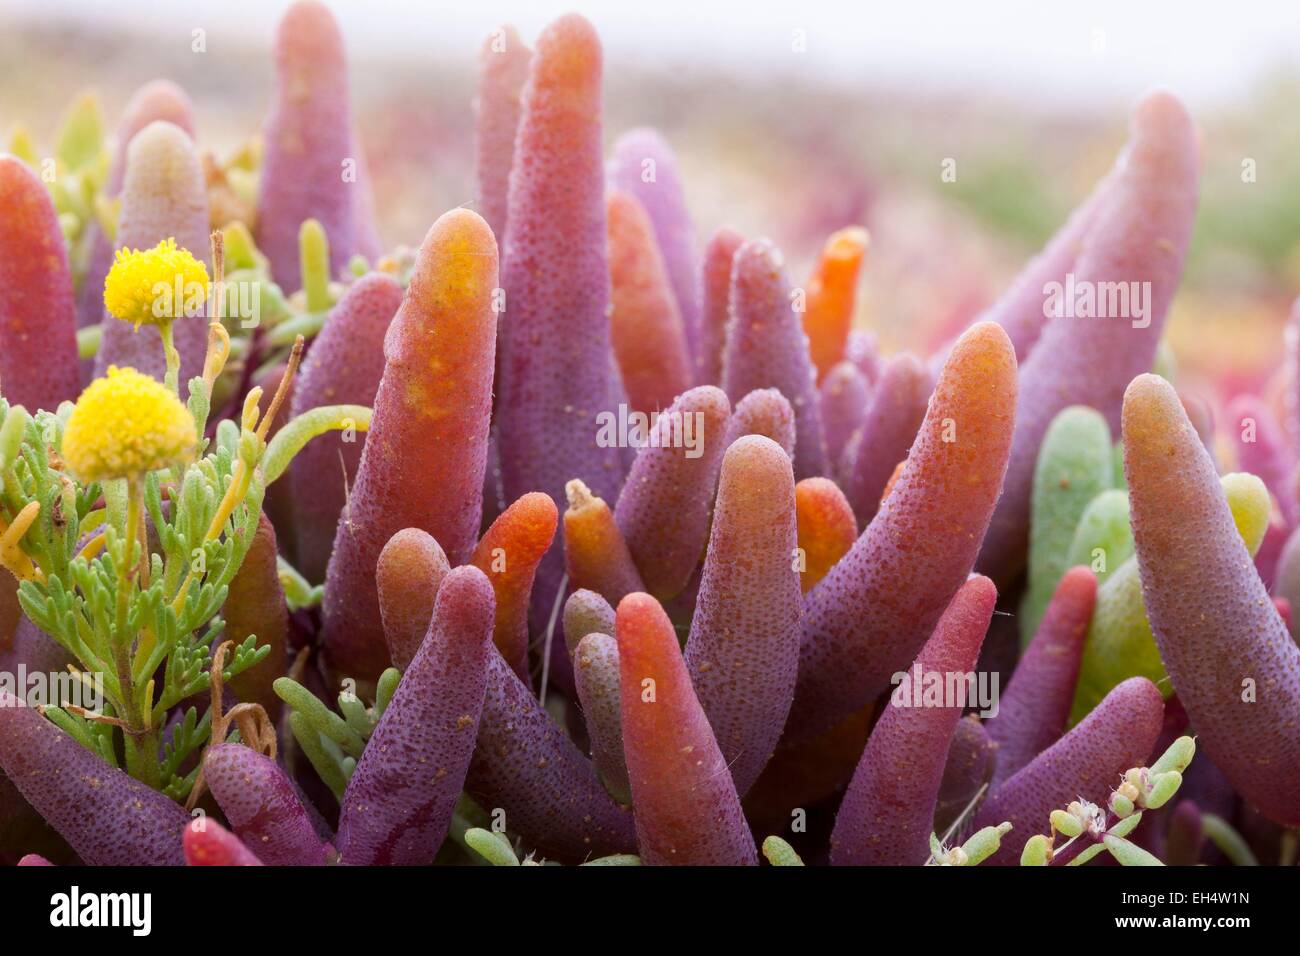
(1067, 823)
(88, 340)
(11, 435)
(249, 448)
(1037, 851)
(271, 302)
(241, 251)
(1120, 805)
(1163, 787)
(385, 689)
(314, 262)
(983, 844)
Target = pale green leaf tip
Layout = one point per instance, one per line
(781, 853)
(1129, 854)
(493, 847)
(984, 843)
(1177, 757)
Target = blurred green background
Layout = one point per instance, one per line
(792, 143)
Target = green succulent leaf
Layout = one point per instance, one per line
(493, 847)
(780, 853)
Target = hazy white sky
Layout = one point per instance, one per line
(1208, 51)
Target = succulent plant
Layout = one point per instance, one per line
(625, 551)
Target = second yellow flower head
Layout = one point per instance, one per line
(126, 425)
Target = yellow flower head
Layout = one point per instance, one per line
(155, 286)
(126, 425)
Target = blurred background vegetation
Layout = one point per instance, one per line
(772, 150)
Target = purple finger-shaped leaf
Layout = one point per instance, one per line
(1034, 708)
(844, 396)
(399, 802)
(863, 350)
(310, 167)
(687, 809)
(654, 360)
(11, 612)
(1227, 650)
(1286, 584)
(644, 165)
(38, 319)
(1085, 764)
(596, 556)
(366, 239)
(255, 605)
(509, 553)
(1111, 309)
(888, 429)
(343, 367)
(715, 303)
(155, 100)
(1201, 414)
(743, 650)
(526, 766)
(586, 612)
(107, 817)
(263, 807)
(1262, 449)
(1268, 558)
(426, 452)
(557, 373)
(765, 412)
(767, 348)
(887, 814)
(1019, 309)
(1185, 838)
(410, 570)
(869, 617)
(502, 70)
(23, 832)
(34, 650)
(663, 509)
(1289, 377)
(972, 758)
(595, 673)
(163, 197)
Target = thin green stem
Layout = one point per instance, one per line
(290, 439)
(173, 357)
(141, 743)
